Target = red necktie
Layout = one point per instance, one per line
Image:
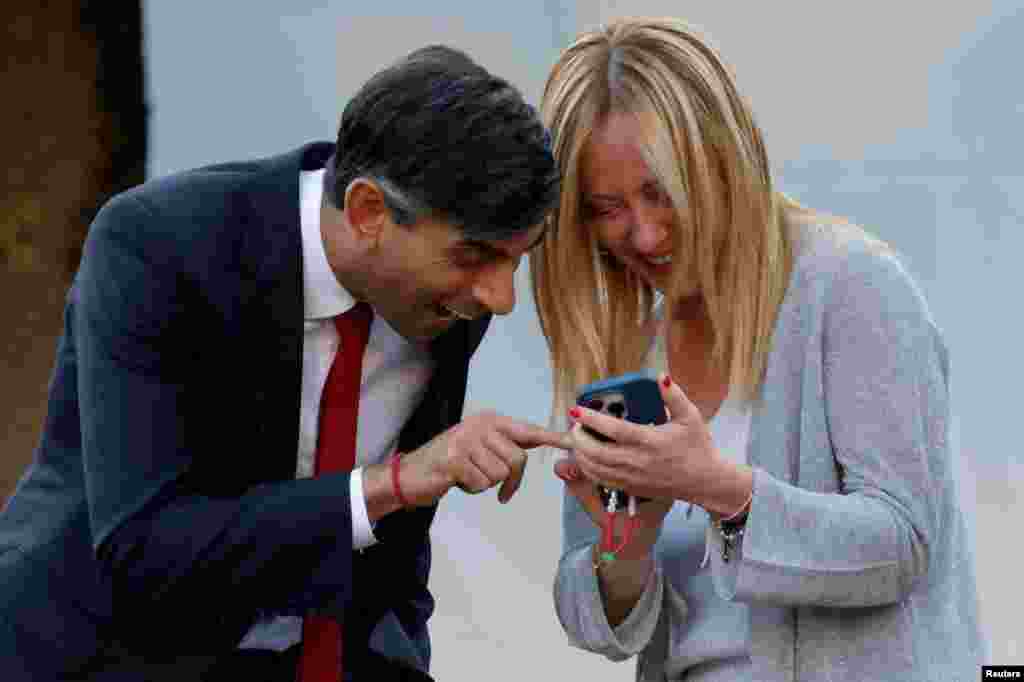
(336, 451)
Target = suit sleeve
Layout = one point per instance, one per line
(885, 398)
(280, 548)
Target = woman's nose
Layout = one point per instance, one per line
(648, 230)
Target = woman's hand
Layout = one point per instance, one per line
(674, 461)
(650, 513)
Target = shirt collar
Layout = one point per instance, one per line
(323, 295)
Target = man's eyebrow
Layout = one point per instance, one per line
(480, 245)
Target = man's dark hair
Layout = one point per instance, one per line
(445, 138)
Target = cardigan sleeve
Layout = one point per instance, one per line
(580, 605)
(885, 401)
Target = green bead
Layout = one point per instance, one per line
(607, 556)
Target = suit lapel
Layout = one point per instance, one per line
(273, 256)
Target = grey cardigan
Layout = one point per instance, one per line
(854, 563)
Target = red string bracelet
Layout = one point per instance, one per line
(608, 547)
(395, 485)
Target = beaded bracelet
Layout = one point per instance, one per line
(743, 508)
(732, 527)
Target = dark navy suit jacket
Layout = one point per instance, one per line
(160, 518)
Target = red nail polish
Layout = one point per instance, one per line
(575, 413)
(667, 380)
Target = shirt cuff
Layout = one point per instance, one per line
(362, 529)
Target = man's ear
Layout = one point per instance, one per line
(365, 209)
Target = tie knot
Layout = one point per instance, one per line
(358, 317)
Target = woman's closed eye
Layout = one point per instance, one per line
(601, 210)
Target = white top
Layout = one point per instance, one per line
(730, 426)
(718, 639)
(394, 378)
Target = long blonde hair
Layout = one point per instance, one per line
(709, 157)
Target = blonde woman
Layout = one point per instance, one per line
(803, 522)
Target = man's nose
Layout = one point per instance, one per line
(496, 288)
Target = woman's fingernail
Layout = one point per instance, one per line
(573, 472)
(667, 380)
(575, 413)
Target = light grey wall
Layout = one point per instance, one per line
(903, 115)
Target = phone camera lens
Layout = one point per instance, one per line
(617, 409)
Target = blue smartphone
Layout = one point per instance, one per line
(634, 397)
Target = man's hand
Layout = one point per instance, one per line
(475, 455)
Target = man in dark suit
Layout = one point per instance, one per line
(178, 521)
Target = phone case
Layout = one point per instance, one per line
(634, 397)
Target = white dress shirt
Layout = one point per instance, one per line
(394, 379)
